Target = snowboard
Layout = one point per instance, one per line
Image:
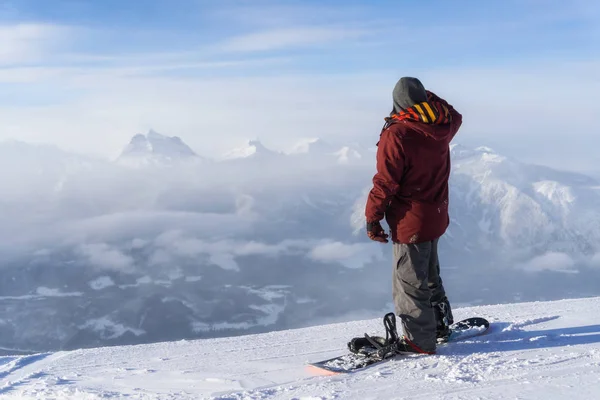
(461, 330)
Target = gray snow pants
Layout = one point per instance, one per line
(416, 284)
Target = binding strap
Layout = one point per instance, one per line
(370, 344)
(391, 333)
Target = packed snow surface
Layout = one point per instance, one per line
(542, 350)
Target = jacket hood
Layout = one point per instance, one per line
(430, 118)
(437, 132)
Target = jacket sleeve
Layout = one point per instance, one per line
(386, 182)
(456, 116)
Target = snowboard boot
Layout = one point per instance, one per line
(444, 318)
(404, 345)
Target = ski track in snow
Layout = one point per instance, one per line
(545, 350)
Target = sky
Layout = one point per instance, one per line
(88, 75)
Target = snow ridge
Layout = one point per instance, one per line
(536, 350)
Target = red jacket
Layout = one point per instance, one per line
(410, 187)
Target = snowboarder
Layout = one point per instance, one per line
(410, 190)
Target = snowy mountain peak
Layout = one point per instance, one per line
(460, 152)
(485, 149)
(253, 148)
(155, 148)
(153, 135)
(257, 145)
(315, 147)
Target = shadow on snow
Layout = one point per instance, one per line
(506, 336)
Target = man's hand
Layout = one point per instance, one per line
(376, 232)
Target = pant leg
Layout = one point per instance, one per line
(439, 301)
(412, 296)
(435, 283)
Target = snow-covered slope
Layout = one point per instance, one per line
(544, 351)
(501, 204)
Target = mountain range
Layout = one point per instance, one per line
(162, 244)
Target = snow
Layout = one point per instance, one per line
(355, 255)
(494, 194)
(558, 194)
(42, 293)
(545, 350)
(154, 148)
(253, 148)
(268, 293)
(271, 314)
(109, 329)
(318, 148)
(52, 292)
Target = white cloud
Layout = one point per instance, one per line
(107, 110)
(257, 248)
(224, 252)
(245, 205)
(103, 256)
(551, 261)
(174, 244)
(97, 108)
(28, 42)
(22, 75)
(357, 219)
(140, 218)
(138, 243)
(355, 255)
(103, 109)
(101, 283)
(225, 261)
(283, 38)
(160, 257)
(280, 15)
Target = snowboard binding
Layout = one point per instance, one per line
(376, 345)
(444, 319)
(371, 350)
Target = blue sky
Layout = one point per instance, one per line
(335, 35)
(87, 75)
